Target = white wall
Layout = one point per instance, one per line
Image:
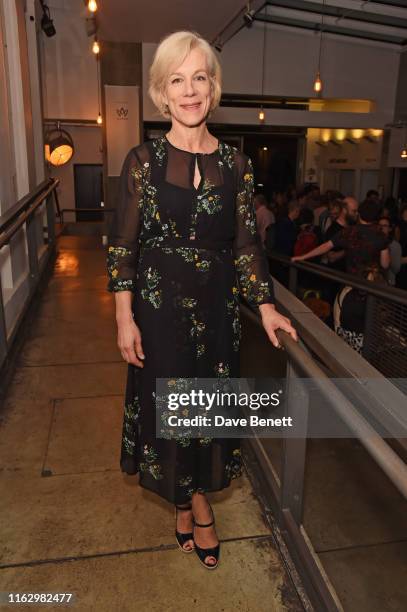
(290, 67)
(69, 66)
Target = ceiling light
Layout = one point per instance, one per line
(92, 6)
(58, 146)
(318, 84)
(47, 24)
(248, 17)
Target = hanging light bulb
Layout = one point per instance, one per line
(92, 6)
(95, 47)
(318, 83)
(262, 116)
(99, 120)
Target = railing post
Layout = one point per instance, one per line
(3, 329)
(292, 279)
(32, 247)
(294, 448)
(50, 218)
(369, 319)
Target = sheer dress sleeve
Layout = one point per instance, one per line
(255, 282)
(122, 251)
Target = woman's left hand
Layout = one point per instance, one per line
(273, 320)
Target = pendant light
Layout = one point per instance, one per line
(318, 81)
(261, 111)
(403, 152)
(99, 120)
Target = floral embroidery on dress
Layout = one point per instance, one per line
(206, 202)
(114, 256)
(150, 465)
(197, 328)
(254, 290)
(152, 293)
(227, 153)
(131, 416)
(222, 370)
(244, 201)
(234, 467)
(184, 481)
(159, 149)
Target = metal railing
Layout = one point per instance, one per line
(385, 328)
(382, 403)
(24, 213)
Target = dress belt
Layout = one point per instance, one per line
(210, 245)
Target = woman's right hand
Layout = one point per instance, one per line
(129, 343)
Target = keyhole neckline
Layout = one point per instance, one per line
(190, 152)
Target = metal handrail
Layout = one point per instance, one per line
(381, 452)
(389, 293)
(18, 214)
(23, 212)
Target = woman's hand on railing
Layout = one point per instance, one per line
(272, 320)
(129, 342)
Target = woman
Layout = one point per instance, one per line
(184, 230)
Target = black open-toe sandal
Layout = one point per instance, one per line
(182, 538)
(207, 552)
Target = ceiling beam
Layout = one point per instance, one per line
(336, 11)
(332, 29)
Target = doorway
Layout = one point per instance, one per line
(88, 181)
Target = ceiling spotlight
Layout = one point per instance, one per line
(96, 47)
(248, 17)
(47, 25)
(58, 146)
(92, 6)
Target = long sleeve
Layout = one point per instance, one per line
(122, 251)
(255, 282)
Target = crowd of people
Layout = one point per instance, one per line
(366, 239)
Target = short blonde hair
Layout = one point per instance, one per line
(172, 51)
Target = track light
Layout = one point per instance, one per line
(248, 19)
(47, 25)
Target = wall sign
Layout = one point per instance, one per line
(122, 124)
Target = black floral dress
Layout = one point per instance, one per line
(185, 253)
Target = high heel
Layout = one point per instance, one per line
(207, 552)
(182, 538)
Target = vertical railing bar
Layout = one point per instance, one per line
(294, 448)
